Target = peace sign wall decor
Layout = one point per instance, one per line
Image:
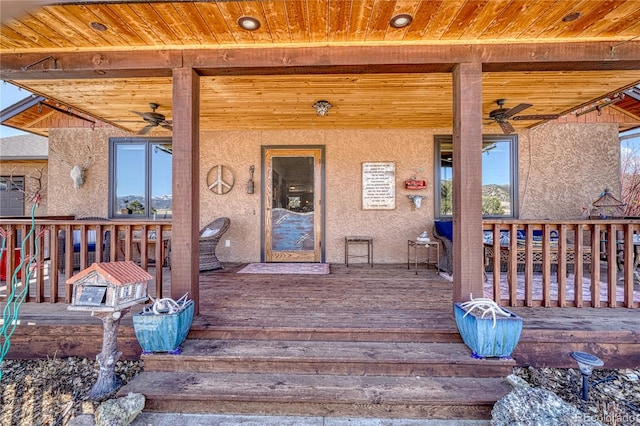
(220, 179)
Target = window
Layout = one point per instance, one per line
(499, 175)
(11, 195)
(140, 171)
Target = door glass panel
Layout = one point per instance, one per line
(292, 215)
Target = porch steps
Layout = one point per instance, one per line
(322, 378)
(313, 357)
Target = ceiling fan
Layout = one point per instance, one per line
(154, 119)
(501, 115)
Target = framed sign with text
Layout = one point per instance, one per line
(378, 186)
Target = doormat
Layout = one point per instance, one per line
(286, 268)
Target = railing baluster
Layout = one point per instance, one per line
(561, 269)
(595, 270)
(159, 259)
(513, 265)
(578, 265)
(38, 239)
(546, 267)
(628, 258)
(53, 263)
(528, 266)
(496, 263)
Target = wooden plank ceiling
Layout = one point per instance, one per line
(375, 100)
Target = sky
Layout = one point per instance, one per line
(9, 95)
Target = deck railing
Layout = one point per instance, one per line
(67, 246)
(579, 263)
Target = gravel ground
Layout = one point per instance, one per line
(50, 392)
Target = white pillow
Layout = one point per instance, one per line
(208, 232)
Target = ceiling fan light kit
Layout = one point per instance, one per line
(154, 119)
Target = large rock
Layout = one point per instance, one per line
(527, 406)
(120, 411)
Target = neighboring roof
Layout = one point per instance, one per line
(24, 147)
(117, 273)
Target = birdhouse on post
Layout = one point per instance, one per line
(108, 290)
(109, 287)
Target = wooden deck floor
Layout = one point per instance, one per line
(387, 303)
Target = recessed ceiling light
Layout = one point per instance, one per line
(572, 16)
(248, 23)
(400, 21)
(98, 26)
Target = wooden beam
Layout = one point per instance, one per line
(185, 248)
(467, 182)
(579, 56)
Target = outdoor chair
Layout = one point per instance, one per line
(209, 237)
(91, 242)
(443, 232)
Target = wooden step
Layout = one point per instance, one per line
(445, 333)
(312, 357)
(316, 394)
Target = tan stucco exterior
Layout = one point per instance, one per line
(562, 167)
(35, 174)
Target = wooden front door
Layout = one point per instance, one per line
(292, 204)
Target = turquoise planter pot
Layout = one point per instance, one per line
(163, 333)
(483, 338)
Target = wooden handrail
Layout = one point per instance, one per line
(91, 241)
(579, 245)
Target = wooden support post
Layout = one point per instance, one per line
(467, 181)
(185, 249)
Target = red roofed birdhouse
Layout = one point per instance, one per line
(109, 287)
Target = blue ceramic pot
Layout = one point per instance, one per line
(485, 340)
(163, 333)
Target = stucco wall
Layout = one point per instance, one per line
(562, 167)
(565, 167)
(75, 146)
(32, 171)
(345, 151)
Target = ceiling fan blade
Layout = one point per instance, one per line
(141, 114)
(507, 128)
(146, 129)
(166, 126)
(516, 109)
(536, 117)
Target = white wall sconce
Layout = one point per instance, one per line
(416, 200)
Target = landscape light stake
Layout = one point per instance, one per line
(586, 363)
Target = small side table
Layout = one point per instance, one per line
(431, 245)
(358, 240)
